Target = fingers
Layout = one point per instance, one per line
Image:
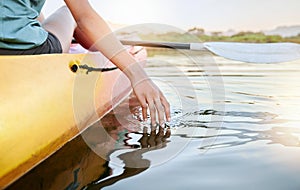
(166, 106)
(152, 99)
(160, 111)
(144, 109)
(158, 108)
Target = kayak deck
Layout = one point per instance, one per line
(45, 104)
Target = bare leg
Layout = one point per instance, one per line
(62, 25)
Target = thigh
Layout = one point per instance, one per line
(62, 25)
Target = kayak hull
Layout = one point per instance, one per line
(44, 104)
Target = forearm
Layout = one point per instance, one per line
(104, 40)
(108, 44)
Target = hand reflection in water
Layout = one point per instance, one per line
(134, 161)
(155, 140)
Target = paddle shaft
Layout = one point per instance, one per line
(171, 45)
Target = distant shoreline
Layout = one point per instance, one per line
(249, 37)
(159, 33)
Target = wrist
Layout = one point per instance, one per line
(135, 73)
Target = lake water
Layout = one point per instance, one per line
(234, 125)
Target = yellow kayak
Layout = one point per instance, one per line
(47, 100)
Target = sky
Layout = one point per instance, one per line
(212, 15)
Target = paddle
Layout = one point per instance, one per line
(245, 52)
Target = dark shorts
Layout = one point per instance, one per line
(51, 45)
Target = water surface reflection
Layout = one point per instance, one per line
(254, 143)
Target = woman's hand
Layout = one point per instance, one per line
(148, 94)
(150, 97)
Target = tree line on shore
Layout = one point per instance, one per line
(199, 34)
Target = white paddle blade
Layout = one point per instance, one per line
(255, 52)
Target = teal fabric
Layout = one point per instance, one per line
(19, 28)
